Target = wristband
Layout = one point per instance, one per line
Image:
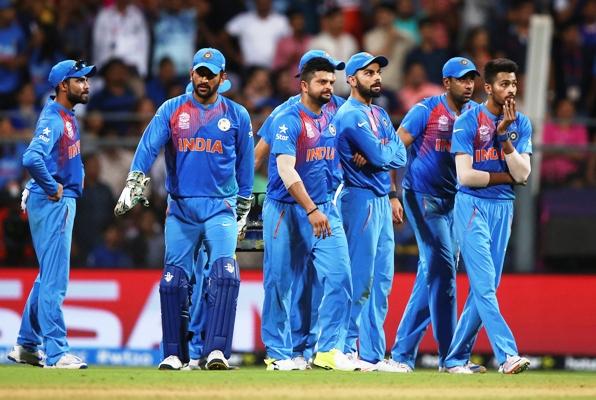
(312, 211)
(503, 138)
(393, 195)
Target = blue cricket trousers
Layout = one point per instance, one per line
(433, 297)
(482, 230)
(367, 219)
(51, 226)
(288, 238)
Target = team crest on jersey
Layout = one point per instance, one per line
(309, 130)
(69, 130)
(332, 130)
(443, 123)
(484, 132)
(224, 124)
(184, 120)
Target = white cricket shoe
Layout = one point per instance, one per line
(393, 366)
(475, 368)
(301, 363)
(460, 369)
(335, 359)
(217, 361)
(514, 365)
(68, 361)
(281, 365)
(193, 365)
(22, 355)
(364, 366)
(171, 363)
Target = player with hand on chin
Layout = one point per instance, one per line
(209, 155)
(369, 149)
(53, 160)
(429, 192)
(492, 144)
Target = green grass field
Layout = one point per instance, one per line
(25, 382)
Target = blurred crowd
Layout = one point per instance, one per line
(143, 50)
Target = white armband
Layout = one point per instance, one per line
(467, 175)
(286, 170)
(519, 166)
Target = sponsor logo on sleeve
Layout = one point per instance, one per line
(45, 135)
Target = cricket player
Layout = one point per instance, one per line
(306, 288)
(492, 144)
(300, 178)
(365, 130)
(209, 159)
(429, 188)
(53, 160)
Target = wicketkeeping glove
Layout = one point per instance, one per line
(243, 205)
(136, 182)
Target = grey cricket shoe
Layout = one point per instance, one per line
(22, 355)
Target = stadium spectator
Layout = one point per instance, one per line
(207, 25)
(74, 23)
(406, 21)
(416, 87)
(477, 48)
(258, 90)
(339, 44)
(428, 53)
(290, 48)
(116, 100)
(94, 208)
(572, 65)
(566, 168)
(258, 33)
(146, 246)
(109, 253)
(174, 34)
(385, 39)
(157, 88)
(44, 52)
(12, 54)
(24, 117)
(114, 162)
(512, 41)
(120, 30)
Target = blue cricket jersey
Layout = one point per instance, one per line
(54, 154)
(367, 130)
(306, 136)
(209, 150)
(266, 131)
(431, 166)
(475, 133)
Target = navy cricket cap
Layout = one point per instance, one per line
(69, 69)
(312, 54)
(362, 60)
(213, 60)
(457, 67)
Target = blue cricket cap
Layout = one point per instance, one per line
(312, 54)
(69, 69)
(213, 60)
(457, 67)
(362, 60)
